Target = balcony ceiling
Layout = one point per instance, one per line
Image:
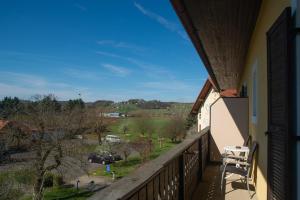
(221, 31)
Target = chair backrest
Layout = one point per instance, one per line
(252, 152)
(246, 142)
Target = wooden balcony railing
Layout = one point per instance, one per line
(173, 175)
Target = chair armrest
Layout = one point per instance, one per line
(235, 162)
(230, 161)
(243, 163)
(236, 157)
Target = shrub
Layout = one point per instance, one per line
(174, 129)
(24, 176)
(143, 146)
(48, 180)
(8, 188)
(58, 180)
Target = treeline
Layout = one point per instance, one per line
(138, 103)
(152, 104)
(10, 107)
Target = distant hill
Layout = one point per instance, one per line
(134, 105)
(101, 103)
(111, 106)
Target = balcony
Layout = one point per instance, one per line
(209, 187)
(182, 173)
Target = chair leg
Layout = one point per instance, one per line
(222, 179)
(248, 188)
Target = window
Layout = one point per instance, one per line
(254, 93)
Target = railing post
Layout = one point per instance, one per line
(181, 177)
(200, 159)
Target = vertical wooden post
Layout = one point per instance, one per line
(200, 146)
(181, 177)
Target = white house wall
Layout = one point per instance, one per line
(204, 114)
(229, 125)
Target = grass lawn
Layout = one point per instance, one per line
(123, 168)
(63, 193)
(158, 123)
(120, 168)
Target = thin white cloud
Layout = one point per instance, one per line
(80, 7)
(152, 70)
(27, 92)
(117, 70)
(166, 85)
(16, 84)
(27, 85)
(81, 74)
(103, 53)
(26, 79)
(123, 45)
(161, 20)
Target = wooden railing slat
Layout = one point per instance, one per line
(162, 184)
(143, 194)
(156, 188)
(135, 197)
(150, 191)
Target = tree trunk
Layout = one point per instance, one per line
(38, 188)
(18, 142)
(99, 139)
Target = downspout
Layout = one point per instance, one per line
(296, 97)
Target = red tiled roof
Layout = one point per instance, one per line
(229, 93)
(208, 85)
(3, 123)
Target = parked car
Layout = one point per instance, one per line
(112, 139)
(112, 154)
(100, 158)
(117, 157)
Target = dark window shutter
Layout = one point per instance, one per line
(279, 61)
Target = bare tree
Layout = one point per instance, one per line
(143, 124)
(125, 148)
(124, 127)
(174, 129)
(143, 147)
(99, 123)
(17, 134)
(50, 127)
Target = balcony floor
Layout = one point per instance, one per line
(209, 187)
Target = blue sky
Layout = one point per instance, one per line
(101, 49)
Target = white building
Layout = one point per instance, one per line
(111, 115)
(201, 108)
(207, 96)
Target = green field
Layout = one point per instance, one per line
(158, 123)
(123, 168)
(64, 193)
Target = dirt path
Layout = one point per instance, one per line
(85, 180)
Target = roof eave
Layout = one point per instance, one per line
(190, 29)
